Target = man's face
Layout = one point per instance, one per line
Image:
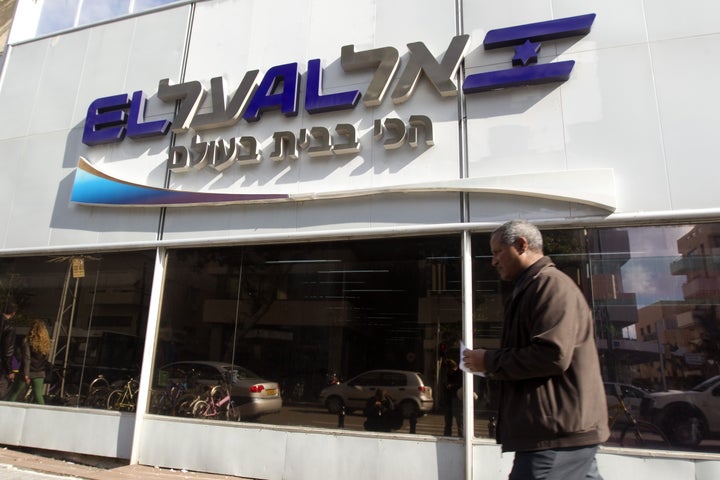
(506, 259)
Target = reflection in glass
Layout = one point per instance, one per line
(654, 292)
(100, 10)
(95, 307)
(61, 15)
(309, 316)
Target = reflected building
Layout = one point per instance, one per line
(615, 309)
(688, 331)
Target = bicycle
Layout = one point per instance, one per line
(179, 397)
(217, 404)
(635, 433)
(166, 401)
(98, 392)
(124, 398)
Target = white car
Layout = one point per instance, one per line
(687, 417)
(407, 389)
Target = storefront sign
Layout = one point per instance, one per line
(111, 119)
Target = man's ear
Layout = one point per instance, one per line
(521, 245)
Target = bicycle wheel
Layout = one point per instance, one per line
(97, 393)
(643, 435)
(233, 412)
(97, 398)
(114, 399)
(160, 403)
(184, 405)
(201, 409)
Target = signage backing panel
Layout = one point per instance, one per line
(46, 88)
(319, 30)
(339, 130)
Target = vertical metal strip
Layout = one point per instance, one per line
(466, 249)
(151, 335)
(183, 71)
(467, 334)
(462, 120)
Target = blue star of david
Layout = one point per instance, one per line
(526, 53)
(526, 40)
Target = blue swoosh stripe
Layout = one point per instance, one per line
(94, 187)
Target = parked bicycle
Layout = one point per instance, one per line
(217, 404)
(124, 398)
(98, 392)
(634, 433)
(165, 401)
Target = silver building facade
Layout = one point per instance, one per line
(305, 189)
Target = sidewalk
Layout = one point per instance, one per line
(59, 464)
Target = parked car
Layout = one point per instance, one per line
(407, 389)
(632, 397)
(254, 395)
(686, 417)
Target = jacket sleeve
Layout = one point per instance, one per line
(555, 312)
(26, 358)
(8, 348)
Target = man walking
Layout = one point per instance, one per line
(552, 410)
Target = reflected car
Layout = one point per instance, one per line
(687, 416)
(408, 391)
(632, 397)
(254, 395)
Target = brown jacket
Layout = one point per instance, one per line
(552, 394)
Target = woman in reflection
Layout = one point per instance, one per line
(35, 350)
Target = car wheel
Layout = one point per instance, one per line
(685, 430)
(334, 404)
(408, 409)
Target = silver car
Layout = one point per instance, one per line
(254, 395)
(407, 389)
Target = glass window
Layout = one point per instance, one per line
(654, 292)
(99, 10)
(56, 16)
(324, 325)
(60, 15)
(95, 309)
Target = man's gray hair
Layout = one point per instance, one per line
(510, 231)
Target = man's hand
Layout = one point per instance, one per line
(475, 359)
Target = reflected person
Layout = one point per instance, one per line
(451, 401)
(35, 349)
(7, 347)
(380, 412)
(552, 410)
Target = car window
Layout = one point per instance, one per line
(206, 372)
(630, 392)
(239, 373)
(369, 379)
(393, 379)
(178, 372)
(610, 389)
(705, 385)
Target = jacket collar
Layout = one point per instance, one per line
(530, 273)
